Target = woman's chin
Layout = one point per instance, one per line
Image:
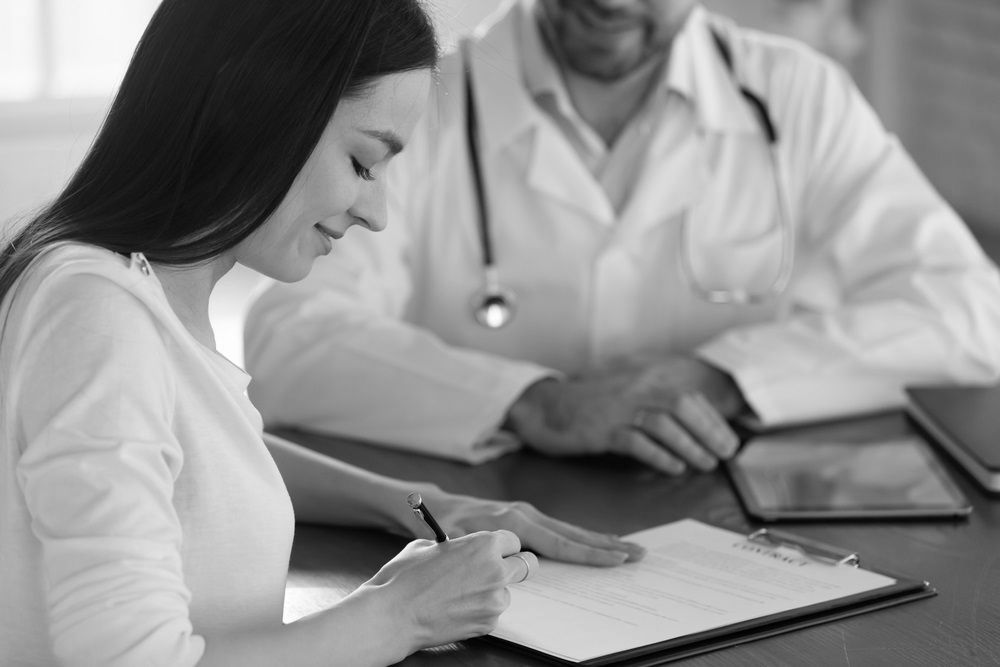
(294, 276)
(289, 272)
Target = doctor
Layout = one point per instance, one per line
(679, 222)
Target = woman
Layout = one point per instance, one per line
(142, 520)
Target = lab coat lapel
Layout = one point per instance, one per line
(671, 182)
(507, 112)
(505, 109)
(558, 172)
(676, 177)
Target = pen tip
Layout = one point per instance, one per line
(414, 500)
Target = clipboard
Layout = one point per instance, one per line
(900, 591)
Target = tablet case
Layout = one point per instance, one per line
(965, 422)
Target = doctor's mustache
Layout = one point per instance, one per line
(600, 10)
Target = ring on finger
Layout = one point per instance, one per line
(639, 417)
(527, 566)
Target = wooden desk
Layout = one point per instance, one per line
(959, 626)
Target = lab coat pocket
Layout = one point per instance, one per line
(748, 257)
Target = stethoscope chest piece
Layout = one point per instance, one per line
(493, 306)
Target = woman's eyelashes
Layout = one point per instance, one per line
(362, 171)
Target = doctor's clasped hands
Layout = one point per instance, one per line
(670, 413)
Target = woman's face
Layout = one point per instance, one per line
(342, 183)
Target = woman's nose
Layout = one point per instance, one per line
(370, 208)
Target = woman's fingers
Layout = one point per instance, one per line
(519, 566)
(559, 540)
(507, 542)
(541, 533)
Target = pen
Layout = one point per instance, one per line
(417, 504)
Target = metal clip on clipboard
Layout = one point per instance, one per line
(810, 548)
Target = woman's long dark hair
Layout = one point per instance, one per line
(221, 105)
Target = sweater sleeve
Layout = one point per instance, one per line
(94, 393)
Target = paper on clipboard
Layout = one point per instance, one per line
(694, 578)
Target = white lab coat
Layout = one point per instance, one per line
(888, 288)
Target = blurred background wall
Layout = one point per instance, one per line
(931, 68)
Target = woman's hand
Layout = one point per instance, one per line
(440, 593)
(537, 531)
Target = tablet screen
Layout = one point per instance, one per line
(795, 478)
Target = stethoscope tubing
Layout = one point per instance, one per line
(472, 135)
(493, 304)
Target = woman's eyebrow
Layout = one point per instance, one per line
(390, 139)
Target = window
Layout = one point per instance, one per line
(64, 49)
(935, 80)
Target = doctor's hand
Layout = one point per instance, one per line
(669, 413)
(544, 535)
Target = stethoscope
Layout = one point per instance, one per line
(494, 306)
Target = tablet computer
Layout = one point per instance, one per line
(965, 422)
(784, 477)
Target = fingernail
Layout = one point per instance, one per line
(637, 553)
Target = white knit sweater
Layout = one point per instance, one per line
(139, 508)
